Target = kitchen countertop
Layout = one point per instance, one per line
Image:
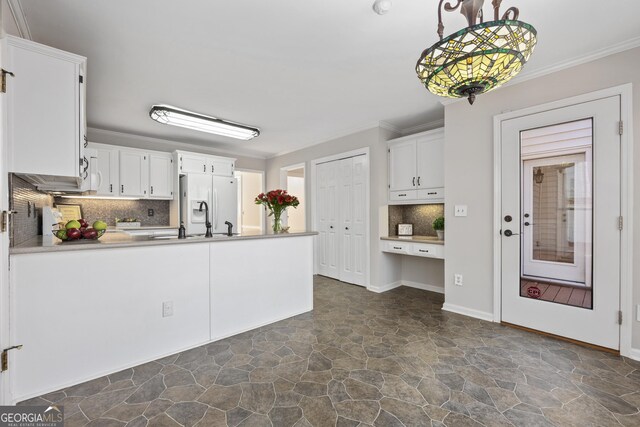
(418, 239)
(42, 244)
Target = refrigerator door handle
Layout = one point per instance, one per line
(215, 222)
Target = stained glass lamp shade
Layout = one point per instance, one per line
(476, 59)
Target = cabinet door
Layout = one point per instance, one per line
(160, 176)
(108, 170)
(134, 173)
(430, 168)
(43, 110)
(193, 164)
(221, 167)
(402, 166)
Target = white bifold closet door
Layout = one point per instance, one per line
(342, 222)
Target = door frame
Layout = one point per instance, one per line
(284, 185)
(313, 198)
(626, 187)
(263, 217)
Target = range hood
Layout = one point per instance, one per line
(84, 185)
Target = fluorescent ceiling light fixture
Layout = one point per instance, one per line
(168, 115)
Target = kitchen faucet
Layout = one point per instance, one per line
(206, 222)
(229, 228)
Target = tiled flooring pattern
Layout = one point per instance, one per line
(360, 359)
(568, 295)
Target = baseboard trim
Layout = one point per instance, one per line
(408, 283)
(634, 354)
(482, 315)
(423, 286)
(384, 288)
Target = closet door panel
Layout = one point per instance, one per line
(359, 220)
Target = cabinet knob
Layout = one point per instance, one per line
(331, 226)
(418, 181)
(346, 228)
(122, 188)
(204, 168)
(110, 188)
(414, 181)
(152, 189)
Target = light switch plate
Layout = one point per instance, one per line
(167, 308)
(460, 210)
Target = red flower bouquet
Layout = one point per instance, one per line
(277, 201)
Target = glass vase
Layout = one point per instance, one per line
(277, 223)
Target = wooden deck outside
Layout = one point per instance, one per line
(569, 295)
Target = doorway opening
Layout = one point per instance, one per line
(292, 179)
(557, 213)
(250, 216)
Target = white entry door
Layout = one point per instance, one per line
(594, 321)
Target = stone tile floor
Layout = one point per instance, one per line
(392, 359)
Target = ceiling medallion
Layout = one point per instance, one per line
(478, 58)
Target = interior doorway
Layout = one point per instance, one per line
(292, 179)
(250, 216)
(560, 204)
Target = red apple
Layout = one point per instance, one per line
(73, 234)
(83, 223)
(90, 234)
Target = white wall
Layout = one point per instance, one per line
(469, 170)
(296, 217)
(251, 186)
(385, 268)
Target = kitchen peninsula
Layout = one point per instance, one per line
(97, 308)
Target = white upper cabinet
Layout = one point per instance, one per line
(221, 166)
(192, 163)
(416, 168)
(203, 163)
(161, 175)
(402, 166)
(134, 173)
(108, 170)
(45, 109)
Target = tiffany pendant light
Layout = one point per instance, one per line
(478, 58)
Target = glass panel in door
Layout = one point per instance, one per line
(557, 206)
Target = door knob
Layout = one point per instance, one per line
(509, 233)
(508, 218)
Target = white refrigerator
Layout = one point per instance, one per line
(221, 195)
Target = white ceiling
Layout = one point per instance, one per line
(302, 71)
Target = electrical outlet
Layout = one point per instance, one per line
(460, 210)
(150, 212)
(457, 279)
(167, 308)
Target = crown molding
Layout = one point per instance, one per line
(104, 136)
(388, 126)
(20, 18)
(628, 44)
(423, 127)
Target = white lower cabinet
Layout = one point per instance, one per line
(426, 250)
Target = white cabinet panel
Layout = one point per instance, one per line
(134, 173)
(246, 298)
(431, 194)
(160, 176)
(92, 323)
(403, 195)
(44, 109)
(426, 250)
(430, 162)
(108, 171)
(193, 163)
(221, 167)
(402, 166)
